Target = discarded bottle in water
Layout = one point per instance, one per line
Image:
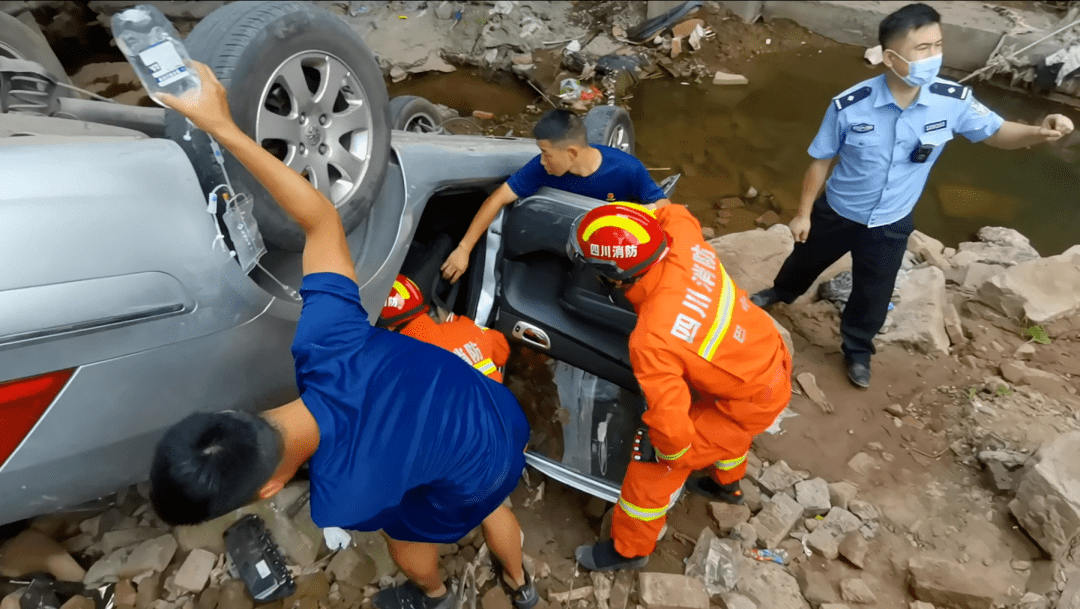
(777, 556)
(153, 48)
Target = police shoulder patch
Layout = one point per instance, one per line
(956, 91)
(855, 96)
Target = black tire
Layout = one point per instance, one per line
(610, 126)
(414, 113)
(17, 41)
(246, 43)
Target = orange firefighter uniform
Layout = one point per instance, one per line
(483, 349)
(695, 326)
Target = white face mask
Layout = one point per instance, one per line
(921, 72)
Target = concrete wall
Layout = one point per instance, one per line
(971, 30)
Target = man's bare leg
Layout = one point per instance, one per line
(503, 535)
(420, 563)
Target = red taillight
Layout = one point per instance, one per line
(22, 402)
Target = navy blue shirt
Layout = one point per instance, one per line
(876, 182)
(410, 435)
(621, 177)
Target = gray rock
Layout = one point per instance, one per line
(1047, 502)
(195, 571)
(813, 495)
(863, 464)
(775, 520)
(920, 605)
(444, 10)
(854, 590)
(751, 495)
(753, 257)
(841, 493)
(1040, 291)
(753, 466)
(728, 516)
(816, 587)
(1033, 601)
(151, 555)
(106, 569)
(1001, 478)
(869, 530)
(1002, 246)
(778, 477)
(825, 540)
(772, 587)
(745, 534)
(669, 591)
(1020, 373)
(919, 317)
(963, 586)
(854, 548)
(732, 600)
(921, 244)
(863, 510)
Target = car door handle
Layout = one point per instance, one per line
(531, 335)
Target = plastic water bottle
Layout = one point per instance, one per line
(153, 48)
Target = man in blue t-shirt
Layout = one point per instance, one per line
(399, 435)
(568, 162)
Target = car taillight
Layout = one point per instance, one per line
(22, 402)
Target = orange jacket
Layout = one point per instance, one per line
(483, 349)
(695, 326)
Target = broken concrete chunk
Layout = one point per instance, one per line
(778, 477)
(1047, 502)
(825, 540)
(813, 496)
(745, 534)
(815, 587)
(124, 593)
(970, 586)
(732, 600)
(32, 551)
(151, 555)
(350, 566)
(919, 318)
(863, 510)
(1040, 290)
(772, 587)
(1035, 601)
(854, 590)
(193, 574)
(775, 520)
(111, 540)
(669, 591)
(725, 78)
(686, 28)
(105, 569)
(841, 493)
(863, 464)
(810, 388)
(727, 516)
(854, 548)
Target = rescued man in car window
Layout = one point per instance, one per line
(406, 312)
(697, 329)
(398, 435)
(567, 162)
(886, 132)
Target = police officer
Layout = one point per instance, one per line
(887, 131)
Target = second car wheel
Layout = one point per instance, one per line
(610, 126)
(302, 84)
(414, 113)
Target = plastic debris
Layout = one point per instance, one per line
(336, 538)
(777, 556)
(873, 55)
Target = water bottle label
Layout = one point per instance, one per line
(164, 63)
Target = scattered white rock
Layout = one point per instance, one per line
(1041, 290)
(1047, 503)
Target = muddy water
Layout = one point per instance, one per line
(725, 138)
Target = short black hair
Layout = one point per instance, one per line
(210, 464)
(903, 20)
(561, 127)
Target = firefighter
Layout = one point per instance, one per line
(696, 329)
(406, 312)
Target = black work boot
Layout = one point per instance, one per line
(603, 557)
(859, 374)
(765, 298)
(726, 493)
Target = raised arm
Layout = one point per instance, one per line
(325, 249)
(458, 260)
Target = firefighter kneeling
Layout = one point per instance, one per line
(694, 325)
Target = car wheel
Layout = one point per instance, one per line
(610, 126)
(302, 84)
(17, 41)
(414, 113)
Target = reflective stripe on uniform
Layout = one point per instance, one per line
(486, 366)
(724, 311)
(647, 514)
(730, 464)
(670, 457)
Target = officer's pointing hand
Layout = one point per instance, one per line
(1055, 126)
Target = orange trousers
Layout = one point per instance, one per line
(724, 431)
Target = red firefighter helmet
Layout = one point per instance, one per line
(620, 240)
(404, 303)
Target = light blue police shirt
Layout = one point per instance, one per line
(876, 183)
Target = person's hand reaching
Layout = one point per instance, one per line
(207, 108)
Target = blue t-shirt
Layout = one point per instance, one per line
(410, 435)
(621, 177)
